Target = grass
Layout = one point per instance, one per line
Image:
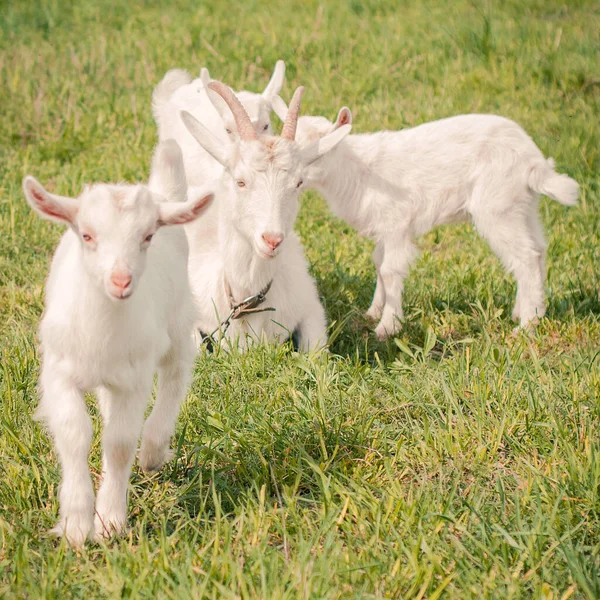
(458, 461)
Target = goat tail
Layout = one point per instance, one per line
(173, 80)
(543, 179)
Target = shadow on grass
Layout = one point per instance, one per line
(219, 476)
(352, 333)
(581, 300)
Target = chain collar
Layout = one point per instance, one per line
(248, 306)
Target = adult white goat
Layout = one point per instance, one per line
(395, 185)
(177, 92)
(118, 307)
(253, 248)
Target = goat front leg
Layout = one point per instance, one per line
(63, 409)
(376, 308)
(123, 415)
(174, 375)
(395, 266)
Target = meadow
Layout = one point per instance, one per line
(458, 460)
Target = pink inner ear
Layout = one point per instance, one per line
(344, 119)
(182, 218)
(39, 197)
(189, 215)
(198, 207)
(48, 208)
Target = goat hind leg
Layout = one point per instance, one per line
(516, 243)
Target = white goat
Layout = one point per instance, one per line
(118, 308)
(177, 92)
(395, 185)
(253, 247)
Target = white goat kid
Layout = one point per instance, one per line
(253, 247)
(177, 92)
(118, 307)
(395, 185)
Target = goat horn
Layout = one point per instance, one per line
(291, 121)
(242, 120)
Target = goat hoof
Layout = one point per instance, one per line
(382, 335)
(108, 525)
(526, 328)
(374, 313)
(382, 332)
(530, 323)
(75, 528)
(154, 456)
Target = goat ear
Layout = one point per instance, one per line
(276, 83)
(59, 209)
(205, 138)
(215, 99)
(205, 77)
(180, 213)
(167, 174)
(344, 118)
(279, 107)
(325, 144)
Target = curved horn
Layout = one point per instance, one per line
(242, 120)
(291, 120)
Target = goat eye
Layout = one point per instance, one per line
(299, 183)
(86, 237)
(266, 127)
(241, 184)
(228, 131)
(149, 237)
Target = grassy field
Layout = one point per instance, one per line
(458, 461)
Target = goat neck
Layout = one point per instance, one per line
(245, 271)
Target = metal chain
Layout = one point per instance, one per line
(248, 306)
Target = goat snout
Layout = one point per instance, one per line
(121, 280)
(273, 240)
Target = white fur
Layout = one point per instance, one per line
(259, 195)
(393, 186)
(95, 336)
(177, 92)
(229, 253)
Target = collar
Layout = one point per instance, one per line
(250, 304)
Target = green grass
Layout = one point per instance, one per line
(460, 462)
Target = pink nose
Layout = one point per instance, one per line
(273, 239)
(121, 279)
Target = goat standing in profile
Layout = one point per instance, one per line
(394, 186)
